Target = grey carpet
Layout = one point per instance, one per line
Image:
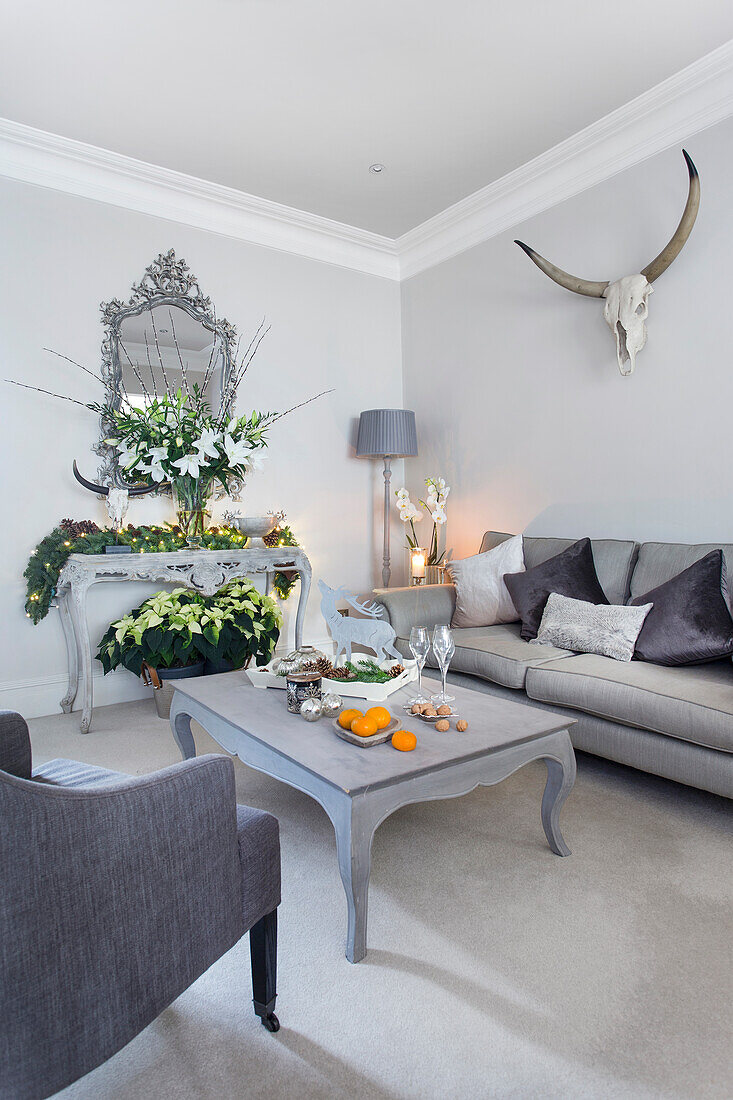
(494, 968)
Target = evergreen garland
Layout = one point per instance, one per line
(85, 537)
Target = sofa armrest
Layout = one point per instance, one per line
(15, 745)
(114, 897)
(421, 605)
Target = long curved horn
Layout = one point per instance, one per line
(679, 238)
(589, 287)
(134, 491)
(102, 489)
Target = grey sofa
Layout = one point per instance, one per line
(116, 893)
(673, 722)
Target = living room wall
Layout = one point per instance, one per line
(331, 327)
(518, 396)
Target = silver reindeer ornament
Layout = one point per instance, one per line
(371, 632)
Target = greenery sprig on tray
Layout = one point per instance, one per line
(85, 537)
(367, 671)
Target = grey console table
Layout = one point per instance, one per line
(359, 787)
(203, 570)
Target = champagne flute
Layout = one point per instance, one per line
(419, 647)
(443, 647)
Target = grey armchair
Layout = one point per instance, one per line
(116, 893)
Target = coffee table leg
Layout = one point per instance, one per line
(181, 728)
(354, 831)
(560, 778)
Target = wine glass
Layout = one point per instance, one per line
(419, 647)
(443, 647)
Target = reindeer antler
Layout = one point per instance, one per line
(372, 609)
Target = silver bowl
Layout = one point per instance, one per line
(255, 527)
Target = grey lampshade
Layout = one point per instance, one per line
(387, 432)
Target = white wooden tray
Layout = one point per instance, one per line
(355, 689)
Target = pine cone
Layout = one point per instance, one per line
(322, 666)
(272, 539)
(396, 670)
(75, 528)
(340, 673)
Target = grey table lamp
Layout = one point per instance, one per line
(387, 434)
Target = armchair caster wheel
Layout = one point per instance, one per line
(271, 1022)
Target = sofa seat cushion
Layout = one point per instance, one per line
(693, 704)
(496, 653)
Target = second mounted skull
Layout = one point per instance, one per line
(627, 299)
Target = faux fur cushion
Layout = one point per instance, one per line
(482, 598)
(690, 623)
(610, 630)
(571, 573)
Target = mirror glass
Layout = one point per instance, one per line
(164, 349)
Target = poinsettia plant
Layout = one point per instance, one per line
(410, 514)
(180, 628)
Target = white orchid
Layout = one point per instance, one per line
(206, 443)
(438, 514)
(189, 464)
(402, 496)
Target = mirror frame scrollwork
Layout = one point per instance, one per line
(167, 281)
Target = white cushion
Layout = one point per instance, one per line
(482, 598)
(606, 629)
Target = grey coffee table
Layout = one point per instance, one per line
(358, 788)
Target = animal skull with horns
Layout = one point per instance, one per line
(627, 299)
(117, 500)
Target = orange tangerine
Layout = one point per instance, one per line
(403, 740)
(380, 715)
(346, 717)
(364, 727)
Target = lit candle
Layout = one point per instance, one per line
(418, 564)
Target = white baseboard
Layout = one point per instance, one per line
(39, 696)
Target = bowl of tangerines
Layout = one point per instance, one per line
(373, 727)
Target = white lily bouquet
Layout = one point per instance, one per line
(176, 440)
(410, 514)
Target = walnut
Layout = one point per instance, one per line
(442, 725)
(416, 708)
(461, 725)
(429, 712)
(445, 709)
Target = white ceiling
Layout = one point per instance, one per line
(292, 100)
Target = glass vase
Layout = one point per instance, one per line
(192, 494)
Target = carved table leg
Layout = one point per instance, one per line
(78, 597)
(72, 653)
(560, 778)
(305, 573)
(181, 727)
(354, 831)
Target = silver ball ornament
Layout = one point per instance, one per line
(311, 709)
(331, 704)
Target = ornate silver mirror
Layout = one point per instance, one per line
(166, 337)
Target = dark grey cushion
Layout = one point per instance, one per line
(690, 621)
(115, 894)
(15, 745)
(614, 558)
(570, 573)
(693, 704)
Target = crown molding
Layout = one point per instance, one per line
(690, 101)
(695, 98)
(48, 160)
